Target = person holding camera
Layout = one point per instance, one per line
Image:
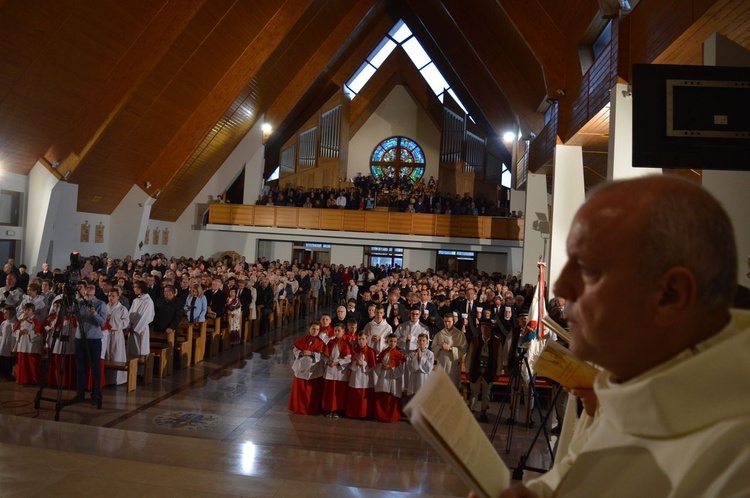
(88, 345)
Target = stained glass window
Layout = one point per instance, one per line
(398, 158)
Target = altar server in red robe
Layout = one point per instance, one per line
(360, 400)
(338, 355)
(308, 367)
(29, 336)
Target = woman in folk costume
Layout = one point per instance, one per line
(141, 315)
(62, 367)
(360, 398)
(307, 387)
(29, 335)
(390, 384)
(118, 319)
(338, 355)
(234, 316)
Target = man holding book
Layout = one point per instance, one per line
(673, 414)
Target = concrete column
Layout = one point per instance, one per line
(536, 233)
(129, 221)
(567, 196)
(731, 187)
(620, 157)
(41, 211)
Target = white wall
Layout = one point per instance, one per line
(492, 262)
(39, 218)
(347, 255)
(398, 114)
(518, 200)
(273, 250)
(129, 221)
(16, 183)
(731, 189)
(189, 242)
(420, 259)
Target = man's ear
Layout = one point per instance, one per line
(677, 291)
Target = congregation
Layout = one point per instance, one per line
(387, 329)
(401, 195)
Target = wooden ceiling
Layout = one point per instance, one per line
(161, 91)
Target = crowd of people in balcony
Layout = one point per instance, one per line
(399, 194)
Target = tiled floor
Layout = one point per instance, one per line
(220, 428)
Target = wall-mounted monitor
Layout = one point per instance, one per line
(691, 117)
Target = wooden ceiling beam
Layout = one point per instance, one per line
(319, 64)
(461, 67)
(132, 69)
(544, 38)
(505, 56)
(347, 58)
(223, 93)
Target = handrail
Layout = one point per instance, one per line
(437, 225)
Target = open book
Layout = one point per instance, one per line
(561, 332)
(560, 365)
(440, 415)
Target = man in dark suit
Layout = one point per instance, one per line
(46, 273)
(469, 324)
(305, 286)
(245, 296)
(429, 314)
(265, 304)
(395, 312)
(216, 298)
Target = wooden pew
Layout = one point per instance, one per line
(162, 348)
(162, 359)
(130, 366)
(199, 343)
(148, 368)
(184, 346)
(213, 335)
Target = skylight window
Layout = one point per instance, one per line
(434, 78)
(361, 77)
(381, 52)
(416, 53)
(400, 34)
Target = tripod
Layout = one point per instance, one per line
(515, 388)
(64, 332)
(518, 470)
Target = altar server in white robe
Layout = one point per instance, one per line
(141, 315)
(118, 319)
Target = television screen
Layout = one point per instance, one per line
(691, 117)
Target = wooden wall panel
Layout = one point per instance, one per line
(377, 222)
(443, 225)
(331, 219)
(309, 218)
(265, 216)
(243, 216)
(286, 217)
(470, 226)
(424, 224)
(354, 221)
(400, 223)
(220, 214)
(368, 221)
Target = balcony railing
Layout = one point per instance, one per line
(436, 225)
